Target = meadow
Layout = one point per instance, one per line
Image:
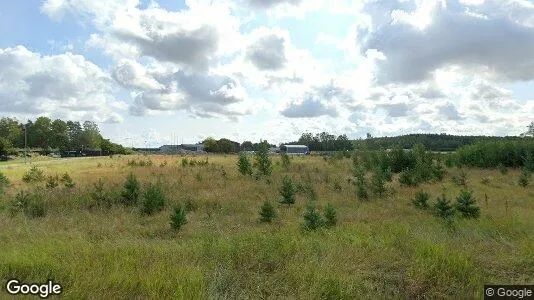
(383, 247)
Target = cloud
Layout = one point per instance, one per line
(497, 46)
(395, 110)
(310, 107)
(203, 95)
(65, 84)
(449, 112)
(268, 52)
(272, 3)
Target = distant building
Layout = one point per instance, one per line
(294, 149)
(274, 150)
(181, 149)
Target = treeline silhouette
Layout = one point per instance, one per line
(45, 136)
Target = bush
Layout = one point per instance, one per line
(460, 179)
(243, 164)
(31, 204)
(67, 181)
(466, 205)
(285, 161)
(379, 182)
(524, 178)
(99, 194)
(421, 200)
(312, 218)
(287, 191)
(35, 174)
(443, 208)
(184, 162)
(263, 162)
(52, 182)
(178, 217)
(408, 178)
(3, 182)
(131, 191)
(330, 215)
(190, 204)
(502, 169)
(267, 212)
(153, 199)
(362, 192)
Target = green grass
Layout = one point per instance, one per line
(383, 248)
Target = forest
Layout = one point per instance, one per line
(45, 136)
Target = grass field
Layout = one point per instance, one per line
(381, 248)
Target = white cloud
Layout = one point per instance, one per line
(64, 84)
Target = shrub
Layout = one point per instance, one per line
(35, 174)
(52, 182)
(330, 215)
(443, 208)
(528, 162)
(178, 217)
(99, 194)
(421, 200)
(31, 204)
(131, 191)
(267, 212)
(379, 182)
(312, 218)
(184, 162)
(3, 182)
(287, 191)
(502, 169)
(67, 181)
(263, 162)
(285, 161)
(362, 192)
(524, 178)
(460, 179)
(243, 165)
(153, 199)
(408, 178)
(466, 205)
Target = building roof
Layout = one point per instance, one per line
(295, 146)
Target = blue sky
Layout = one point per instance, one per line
(154, 72)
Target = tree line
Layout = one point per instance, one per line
(46, 135)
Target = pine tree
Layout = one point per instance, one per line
(379, 182)
(524, 178)
(421, 200)
(132, 190)
(263, 162)
(153, 199)
(285, 161)
(443, 208)
(243, 164)
(466, 205)
(67, 181)
(287, 191)
(312, 218)
(267, 212)
(178, 217)
(330, 215)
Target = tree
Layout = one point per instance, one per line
(421, 200)
(243, 164)
(247, 146)
(210, 145)
(178, 217)
(530, 130)
(267, 212)
(226, 146)
(312, 218)
(74, 133)
(5, 146)
(11, 130)
(287, 191)
(285, 161)
(40, 133)
(466, 205)
(59, 138)
(131, 191)
(330, 215)
(91, 137)
(263, 162)
(443, 208)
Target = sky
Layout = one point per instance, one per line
(169, 71)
